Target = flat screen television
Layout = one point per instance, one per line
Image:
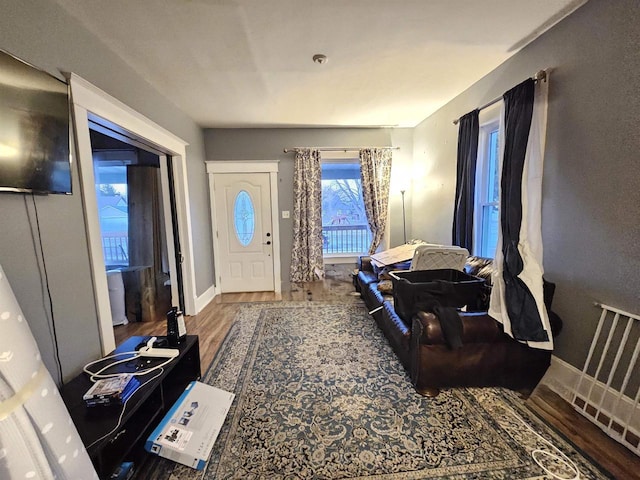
(34, 129)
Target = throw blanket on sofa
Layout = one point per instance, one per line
(450, 321)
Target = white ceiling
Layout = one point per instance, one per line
(248, 63)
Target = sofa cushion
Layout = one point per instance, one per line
(397, 332)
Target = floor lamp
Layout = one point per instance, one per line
(404, 222)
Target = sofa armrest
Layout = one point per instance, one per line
(476, 327)
(488, 357)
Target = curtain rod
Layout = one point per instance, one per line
(540, 76)
(337, 149)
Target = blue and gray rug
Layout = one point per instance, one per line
(321, 395)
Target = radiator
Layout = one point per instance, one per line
(608, 388)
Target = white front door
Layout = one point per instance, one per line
(244, 231)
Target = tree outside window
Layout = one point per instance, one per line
(344, 223)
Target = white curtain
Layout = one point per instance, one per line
(529, 244)
(37, 437)
(306, 257)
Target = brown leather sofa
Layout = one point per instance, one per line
(487, 357)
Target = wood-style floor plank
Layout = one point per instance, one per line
(211, 325)
(214, 321)
(614, 457)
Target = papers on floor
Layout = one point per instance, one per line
(188, 431)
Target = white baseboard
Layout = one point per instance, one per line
(204, 299)
(563, 378)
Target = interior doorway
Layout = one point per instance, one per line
(91, 104)
(133, 231)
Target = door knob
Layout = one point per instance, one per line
(268, 242)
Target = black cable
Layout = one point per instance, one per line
(45, 276)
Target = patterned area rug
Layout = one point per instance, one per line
(321, 395)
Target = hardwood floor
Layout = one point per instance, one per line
(614, 457)
(211, 325)
(214, 321)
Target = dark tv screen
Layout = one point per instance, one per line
(34, 129)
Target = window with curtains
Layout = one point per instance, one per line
(345, 230)
(487, 217)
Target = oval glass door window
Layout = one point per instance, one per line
(244, 218)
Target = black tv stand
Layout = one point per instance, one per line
(143, 411)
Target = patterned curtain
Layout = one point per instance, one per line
(306, 257)
(375, 167)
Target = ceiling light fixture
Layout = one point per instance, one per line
(320, 58)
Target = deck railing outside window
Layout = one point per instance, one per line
(339, 239)
(115, 250)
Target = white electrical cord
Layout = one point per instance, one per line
(94, 375)
(99, 374)
(136, 354)
(561, 458)
(124, 406)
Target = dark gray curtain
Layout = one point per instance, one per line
(468, 129)
(144, 278)
(521, 305)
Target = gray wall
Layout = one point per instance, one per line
(41, 33)
(591, 184)
(268, 144)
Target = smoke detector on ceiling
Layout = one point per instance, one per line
(320, 58)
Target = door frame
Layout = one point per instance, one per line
(88, 100)
(246, 166)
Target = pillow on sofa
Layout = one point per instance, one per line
(385, 287)
(481, 267)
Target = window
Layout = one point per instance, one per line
(113, 212)
(345, 230)
(244, 218)
(487, 216)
